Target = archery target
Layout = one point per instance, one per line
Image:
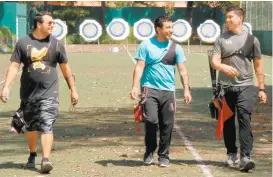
(247, 27)
(60, 29)
(118, 29)
(208, 31)
(181, 30)
(144, 29)
(90, 30)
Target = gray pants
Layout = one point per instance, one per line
(158, 111)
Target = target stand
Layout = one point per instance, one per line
(90, 30)
(182, 32)
(118, 30)
(208, 32)
(143, 30)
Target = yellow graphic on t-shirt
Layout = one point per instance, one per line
(37, 56)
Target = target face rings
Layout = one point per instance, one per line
(208, 31)
(90, 30)
(118, 29)
(144, 29)
(181, 30)
(60, 29)
(247, 27)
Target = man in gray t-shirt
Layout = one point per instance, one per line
(40, 52)
(235, 78)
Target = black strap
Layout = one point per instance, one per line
(246, 51)
(248, 48)
(170, 56)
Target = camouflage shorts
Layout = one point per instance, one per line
(41, 114)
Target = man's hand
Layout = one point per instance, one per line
(229, 70)
(262, 97)
(133, 93)
(5, 94)
(187, 96)
(74, 97)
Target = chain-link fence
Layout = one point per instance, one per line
(259, 15)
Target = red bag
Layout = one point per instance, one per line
(138, 116)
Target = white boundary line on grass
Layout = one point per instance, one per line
(134, 61)
(206, 55)
(197, 157)
(188, 144)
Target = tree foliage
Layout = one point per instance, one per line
(169, 8)
(220, 4)
(72, 16)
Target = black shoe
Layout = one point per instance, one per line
(31, 161)
(148, 158)
(163, 162)
(246, 164)
(46, 166)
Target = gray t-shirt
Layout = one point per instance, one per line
(39, 78)
(226, 45)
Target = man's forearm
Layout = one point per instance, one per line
(184, 77)
(69, 77)
(259, 70)
(260, 78)
(216, 62)
(71, 82)
(137, 76)
(11, 74)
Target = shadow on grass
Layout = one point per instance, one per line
(12, 165)
(137, 163)
(100, 126)
(125, 163)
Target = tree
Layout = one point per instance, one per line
(169, 8)
(220, 4)
(189, 12)
(103, 11)
(75, 16)
(223, 5)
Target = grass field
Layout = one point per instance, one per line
(99, 139)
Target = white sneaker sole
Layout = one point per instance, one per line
(232, 164)
(164, 166)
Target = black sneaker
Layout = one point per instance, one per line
(46, 166)
(148, 158)
(31, 161)
(162, 162)
(246, 164)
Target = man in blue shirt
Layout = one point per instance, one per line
(155, 71)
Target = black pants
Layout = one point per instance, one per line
(241, 99)
(158, 111)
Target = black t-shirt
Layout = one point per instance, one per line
(39, 78)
